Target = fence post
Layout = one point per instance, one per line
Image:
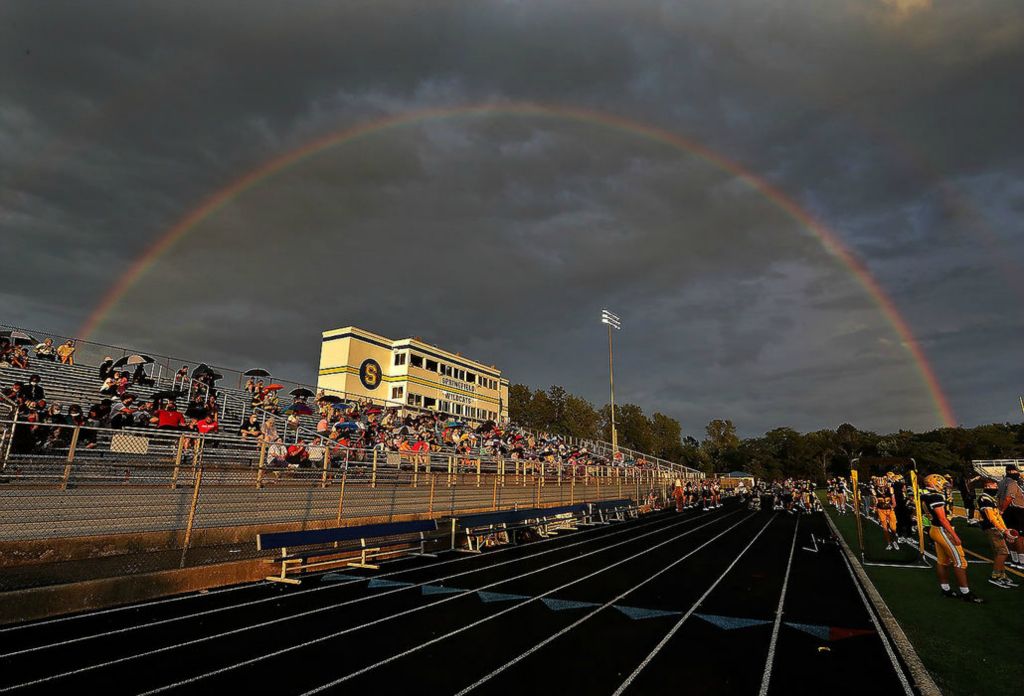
(71, 456)
(430, 504)
(478, 472)
(536, 495)
(260, 466)
(572, 487)
(373, 471)
(191, 514)
(494, 494)
(327, 464)
(450, 462)
(542, 473)
(177, 461)
(341, 496)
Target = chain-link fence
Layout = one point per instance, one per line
(94, 502)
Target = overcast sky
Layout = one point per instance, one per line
(896, 122)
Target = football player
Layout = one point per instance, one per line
(948, 548)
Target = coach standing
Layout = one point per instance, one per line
(1011, 504)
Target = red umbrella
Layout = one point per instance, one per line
(274, 387)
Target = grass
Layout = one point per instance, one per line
(969, 649)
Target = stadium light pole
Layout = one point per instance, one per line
(613, 322)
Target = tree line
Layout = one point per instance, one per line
(779, 453)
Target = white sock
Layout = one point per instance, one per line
(965, 590)
(944, 586)
(1014, 556)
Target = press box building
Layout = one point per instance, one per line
(411, 373)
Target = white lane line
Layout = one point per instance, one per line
(601, 608)
(277, 597)
(271, 622)
(766, 679)
(878, 629)
(139, 605)
(668, 636)
(457, 631)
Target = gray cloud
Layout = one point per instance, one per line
(501, 235)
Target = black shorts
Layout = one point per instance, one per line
(1014, 518)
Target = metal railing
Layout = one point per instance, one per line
(178, 498)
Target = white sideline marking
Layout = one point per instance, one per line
(609, 603)
(668, 636)
(419, 647)
(271, 622)
(277, 597)
(778, 618)
(878, 629)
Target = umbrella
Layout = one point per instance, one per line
(299, 408)
(346, 425)
(454, 424)
(256, 372)
(301, 391)
(329, 399)
(374, 409)
(18, 338)
(134, 360)
(201, 369)
(274, 387)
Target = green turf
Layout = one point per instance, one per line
(969, 649)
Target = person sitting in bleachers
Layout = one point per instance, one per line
(208, 425)
(169, 418)
(250, 427)
(298, 455)
(106, 367)
(19, 358)
(66, 352)
(122, 413)
(109, 386)
(46, 351)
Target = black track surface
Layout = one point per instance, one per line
(433, 633)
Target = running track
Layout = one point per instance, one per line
(688, 601)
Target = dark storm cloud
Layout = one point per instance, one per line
(893, 121)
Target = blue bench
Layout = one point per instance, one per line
(605, 511)
(503, 523)
(369, 540)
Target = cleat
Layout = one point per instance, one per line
(889, 547)
(999, 582)
(950, 593)
(971, 598)
(1009, 582)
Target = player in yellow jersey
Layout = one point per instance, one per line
(885, 508)
(993, 525)
(947, 544)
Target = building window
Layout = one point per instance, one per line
(416, 360)
(415, 399)
(399, 358)
(429, 402)
(471, 377)
(397, 392)
(432, 365)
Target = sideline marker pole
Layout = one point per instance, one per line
(856, 509)
(917, 511)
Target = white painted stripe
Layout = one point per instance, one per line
(138, 605)
(607, 604)
(668, 636)
(271, 622)
(878, 629)
(766, 679)
(476, 623)
(296, 593)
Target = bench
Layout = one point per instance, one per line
(504, 523)
(369, 541)
(607, 511)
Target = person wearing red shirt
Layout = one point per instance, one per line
(169, 418)
(208, 425)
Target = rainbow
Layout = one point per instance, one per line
(828, 239)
